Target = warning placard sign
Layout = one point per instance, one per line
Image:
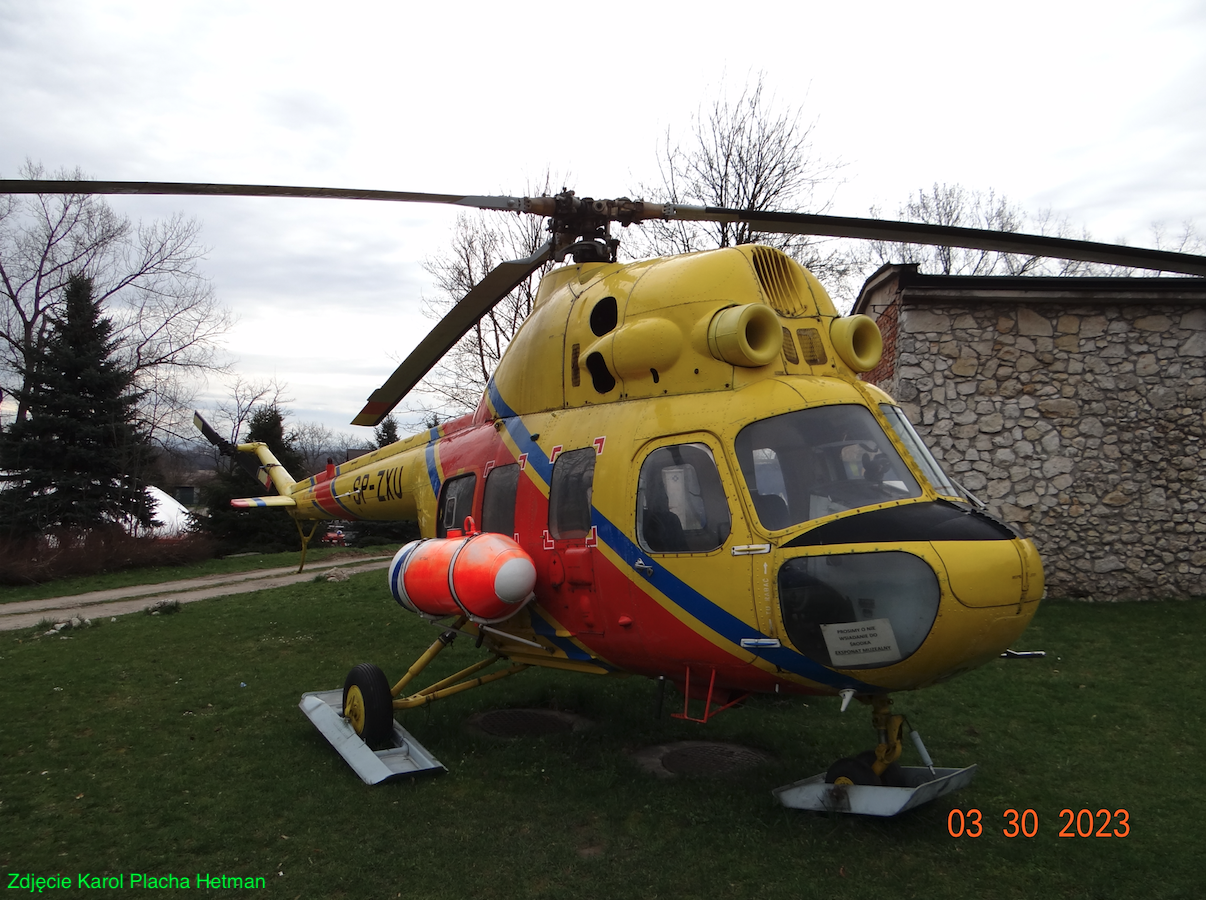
(861, 643)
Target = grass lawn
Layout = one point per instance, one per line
(173, 745)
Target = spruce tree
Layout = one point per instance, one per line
(74, 463)
(387, 432)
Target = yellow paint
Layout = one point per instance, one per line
(983, 573)
(690, 349)
(353, 709)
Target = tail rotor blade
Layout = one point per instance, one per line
(226, 448)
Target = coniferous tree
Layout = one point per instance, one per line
(387, 432)
(74, 463)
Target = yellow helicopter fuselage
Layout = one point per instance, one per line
(707, 489)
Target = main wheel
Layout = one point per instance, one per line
(368, 704)
(851, 771)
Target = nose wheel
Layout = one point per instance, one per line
(874, 783)
(860, 769)
(878, 767)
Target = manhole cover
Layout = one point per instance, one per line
(514, 723)
(698, 758)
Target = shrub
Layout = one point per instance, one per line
(65, 553)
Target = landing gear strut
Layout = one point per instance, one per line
(361, 716)
(305, 540)
(878, 766)
(874, 783)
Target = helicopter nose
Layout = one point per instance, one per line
(984, 574)
(912, 614)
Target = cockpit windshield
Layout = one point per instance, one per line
(815, 462)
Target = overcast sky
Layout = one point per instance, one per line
(1094, 110)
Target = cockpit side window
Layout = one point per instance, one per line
(815, 462)
(939, 480)
(681, 504)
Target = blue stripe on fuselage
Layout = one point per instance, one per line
(548, 631)
(678, 591)
(720, 620)
(519, 433)
(433, 472)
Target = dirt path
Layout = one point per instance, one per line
(118, 601)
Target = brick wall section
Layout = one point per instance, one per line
(888, 322)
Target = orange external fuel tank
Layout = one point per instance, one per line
(485, 576)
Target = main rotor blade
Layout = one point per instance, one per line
(947, 235)
(182, 188)
(627, 210)
(500, 281)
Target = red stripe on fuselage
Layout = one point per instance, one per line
(656, 642)
(324, 498)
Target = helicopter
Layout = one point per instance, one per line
(675, 472)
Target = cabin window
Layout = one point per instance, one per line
(456, 502)
(498, 503)
(815, 462)
(681, 505)
(570, 494)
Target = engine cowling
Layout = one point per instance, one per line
(485, 576)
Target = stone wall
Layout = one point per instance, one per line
(1082, 424)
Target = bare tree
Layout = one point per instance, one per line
(747, 153)
(314, 443)
(1187, 240)
(233, 412)
(165, 314)
(953, 204)
(480, 241)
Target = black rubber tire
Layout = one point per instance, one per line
(894, 776)
(856, 771)
(378, 724)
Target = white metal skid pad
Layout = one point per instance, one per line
(407, 758)
(871, 800)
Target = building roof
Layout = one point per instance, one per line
(903, 278)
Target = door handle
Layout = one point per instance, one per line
(644, 568)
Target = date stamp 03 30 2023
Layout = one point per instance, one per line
(1082, 823)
